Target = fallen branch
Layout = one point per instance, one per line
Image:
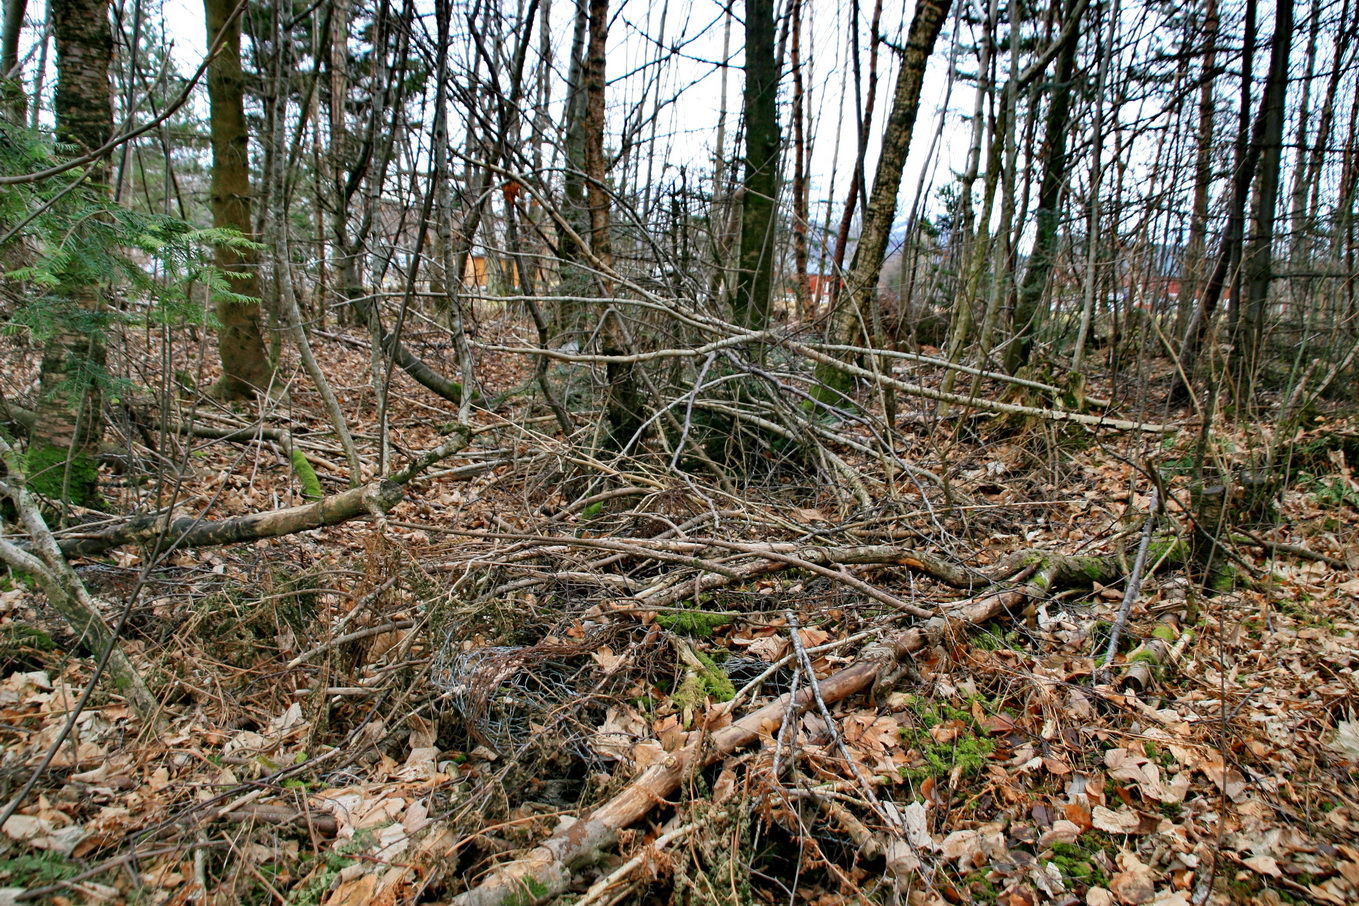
(547, 869)
(69, 597)
(194, 531)
(976, 402)
(1283, 547)
(1134, 586)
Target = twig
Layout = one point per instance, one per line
(1134, 584)
(1296, 550)
(890, 818)
(351, 637)
(601, 887)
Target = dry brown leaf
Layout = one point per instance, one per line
(1124, 821)
(1135, 882)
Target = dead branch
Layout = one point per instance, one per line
(1134, 583)
(546, 870)
(67, 593)
(193, 531)
(456, 444)
(977, 402)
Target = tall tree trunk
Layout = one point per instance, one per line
(65, 442)
(1044, 253)
(246, 368)
(759, 198)
(1196, 249)
(624, 409)
(1298, 207)
(1247, 154)
(575, 279)
(864, 116)
(1093, 225)
(13, 104)
(1258, 259)
(974, 235)
(862, 283)
(802, 284)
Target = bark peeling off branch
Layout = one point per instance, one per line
(191, 531)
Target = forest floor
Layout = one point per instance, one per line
(389, 711)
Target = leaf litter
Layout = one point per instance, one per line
(387, 713)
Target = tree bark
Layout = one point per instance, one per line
(1258, 259)
(760, 185)
(13, 103)
(70, 426)
(833, 383)
(1043, 255)
(246, 368)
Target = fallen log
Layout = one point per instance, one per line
(193, 531)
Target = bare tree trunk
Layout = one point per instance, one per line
(759, 190)
(833, 384)
(278, 230)
(13, 103)
(575, 279)
(1043, 255)
(1196, 248)
(1298, 207)
(246, 368)
(1247, 153)
(975, 234)
(1092, 233)
(1258, 259)
(864, 114)
(802, 284)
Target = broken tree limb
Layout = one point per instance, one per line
(1134, 583)
(193, 531)
(67, 593)
(545, 871)
(455, 444)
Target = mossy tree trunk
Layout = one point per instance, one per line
(866, 266)
(70, 425)
(1042, 258)
(246, 368)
